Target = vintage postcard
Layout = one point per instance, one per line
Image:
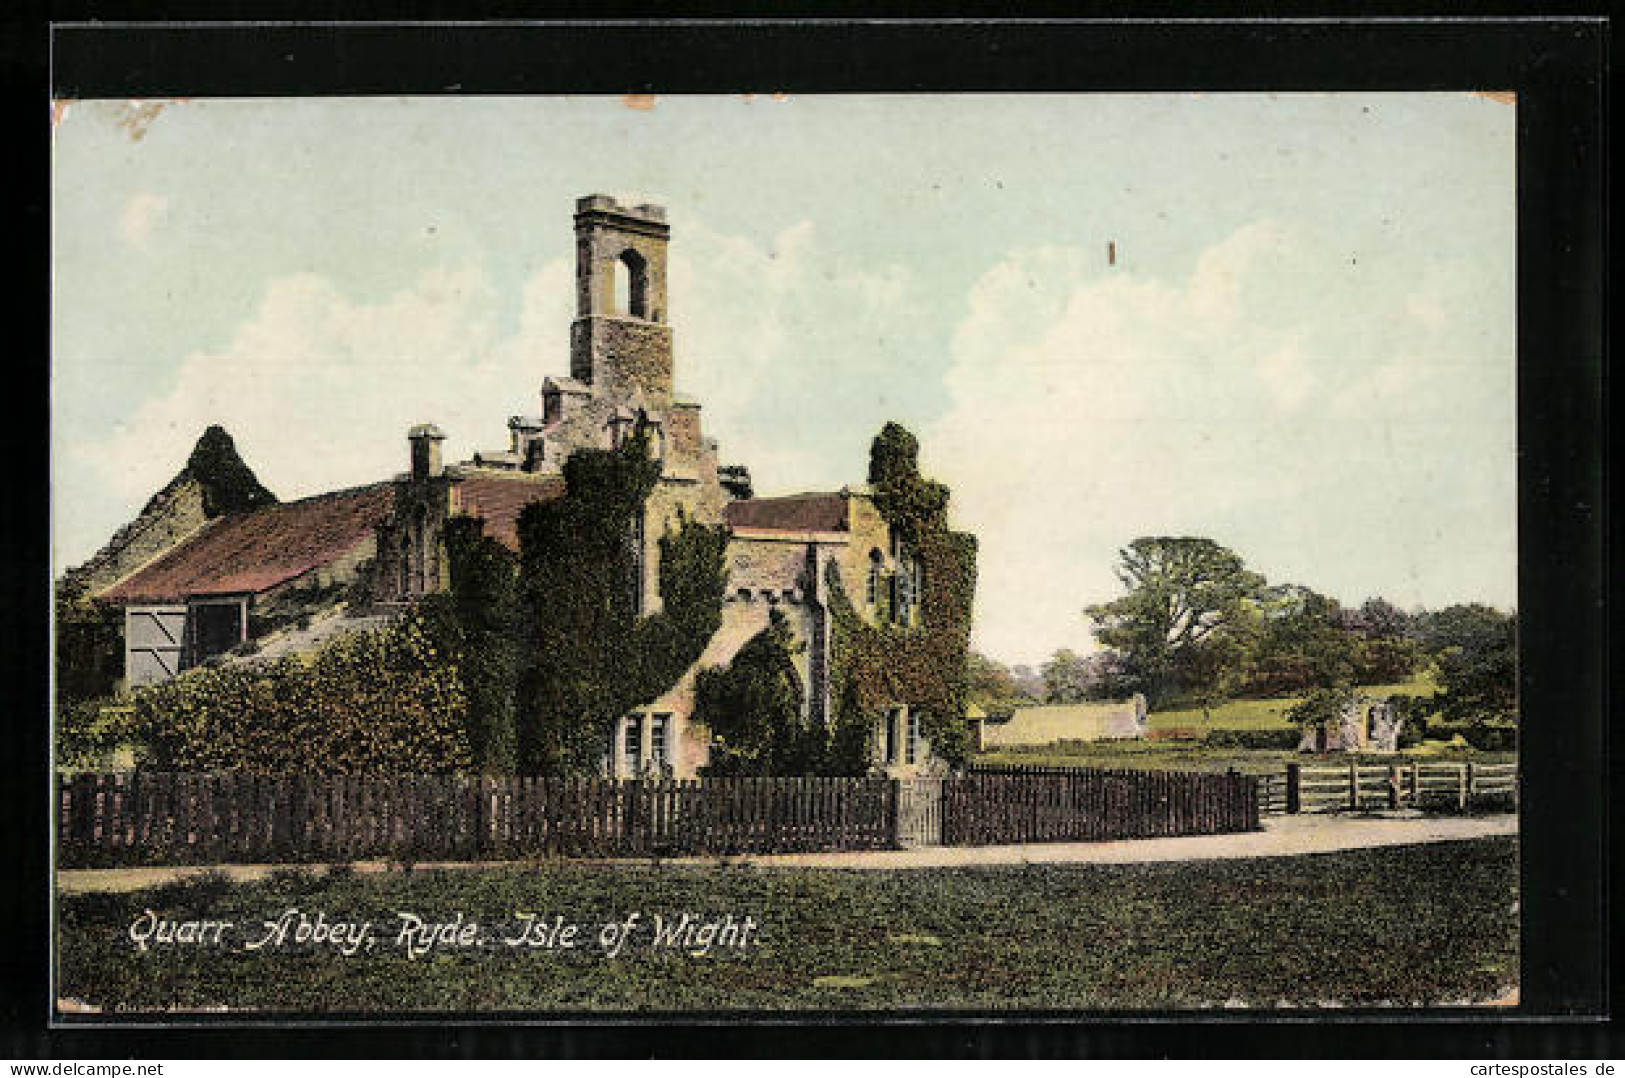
(785, 554)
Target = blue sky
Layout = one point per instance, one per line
(1304, 349)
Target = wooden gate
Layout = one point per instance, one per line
(919, 812)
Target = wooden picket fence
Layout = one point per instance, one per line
(1358, 787)
(1067, 804)
(153, 818)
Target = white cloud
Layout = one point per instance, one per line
(319, 389)
(757, 345)
(1254, 401)
(143, 213)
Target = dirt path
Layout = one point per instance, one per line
(1282, 836)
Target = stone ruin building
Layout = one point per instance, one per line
(188, 582)
(1365, 724)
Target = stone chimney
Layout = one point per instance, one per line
(425, 439)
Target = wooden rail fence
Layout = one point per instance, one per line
(1364, 787)
(1062, 804)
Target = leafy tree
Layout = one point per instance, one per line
(1067, 678)
(1214, 668)
(1302, 645)
(990, 684)
(1029, 682)
(1476, 650)
(1183, 593)
(1320, 708)
(1388, 649)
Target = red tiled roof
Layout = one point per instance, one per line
(254, 552)
(498, 498)
(792, 513)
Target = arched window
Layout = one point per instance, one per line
(632, 284)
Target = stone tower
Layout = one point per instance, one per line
(620, 342)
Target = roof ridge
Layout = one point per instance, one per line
(362, 489)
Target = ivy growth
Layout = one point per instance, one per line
(389, 702)
(229, 485)
(753, 709)
(589, 656)
(481, 624)
(874, 667)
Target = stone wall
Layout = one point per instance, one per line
(869, 532)
(171, 515)
(624, 358)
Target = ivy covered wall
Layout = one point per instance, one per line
(877, 666)
(589, 658)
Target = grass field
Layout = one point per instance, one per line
(1270, 714)
(1403, 925)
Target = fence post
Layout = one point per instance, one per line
(1462, 778)
(1354, 786)
(1467, 786)
(1393, 786)
(895, 804)
(1416, 785)
(1293, 803)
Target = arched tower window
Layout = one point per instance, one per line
(632, 284)
(876, 582)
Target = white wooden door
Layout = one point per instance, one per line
(154, 643)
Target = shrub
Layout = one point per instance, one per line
(89, 648)
(89, 731)
(753, 708)
(386, 702)
(1487, 738)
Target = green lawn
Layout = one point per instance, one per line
(1195, 756)
(1405, 925)
(1271, 713)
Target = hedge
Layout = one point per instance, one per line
(1253, 739)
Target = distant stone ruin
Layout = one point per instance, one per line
(1366, 724)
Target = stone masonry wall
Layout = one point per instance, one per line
(624, 358)
(173, 514)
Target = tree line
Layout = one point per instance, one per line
(1195, 627)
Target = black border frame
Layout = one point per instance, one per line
(1556, 65)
